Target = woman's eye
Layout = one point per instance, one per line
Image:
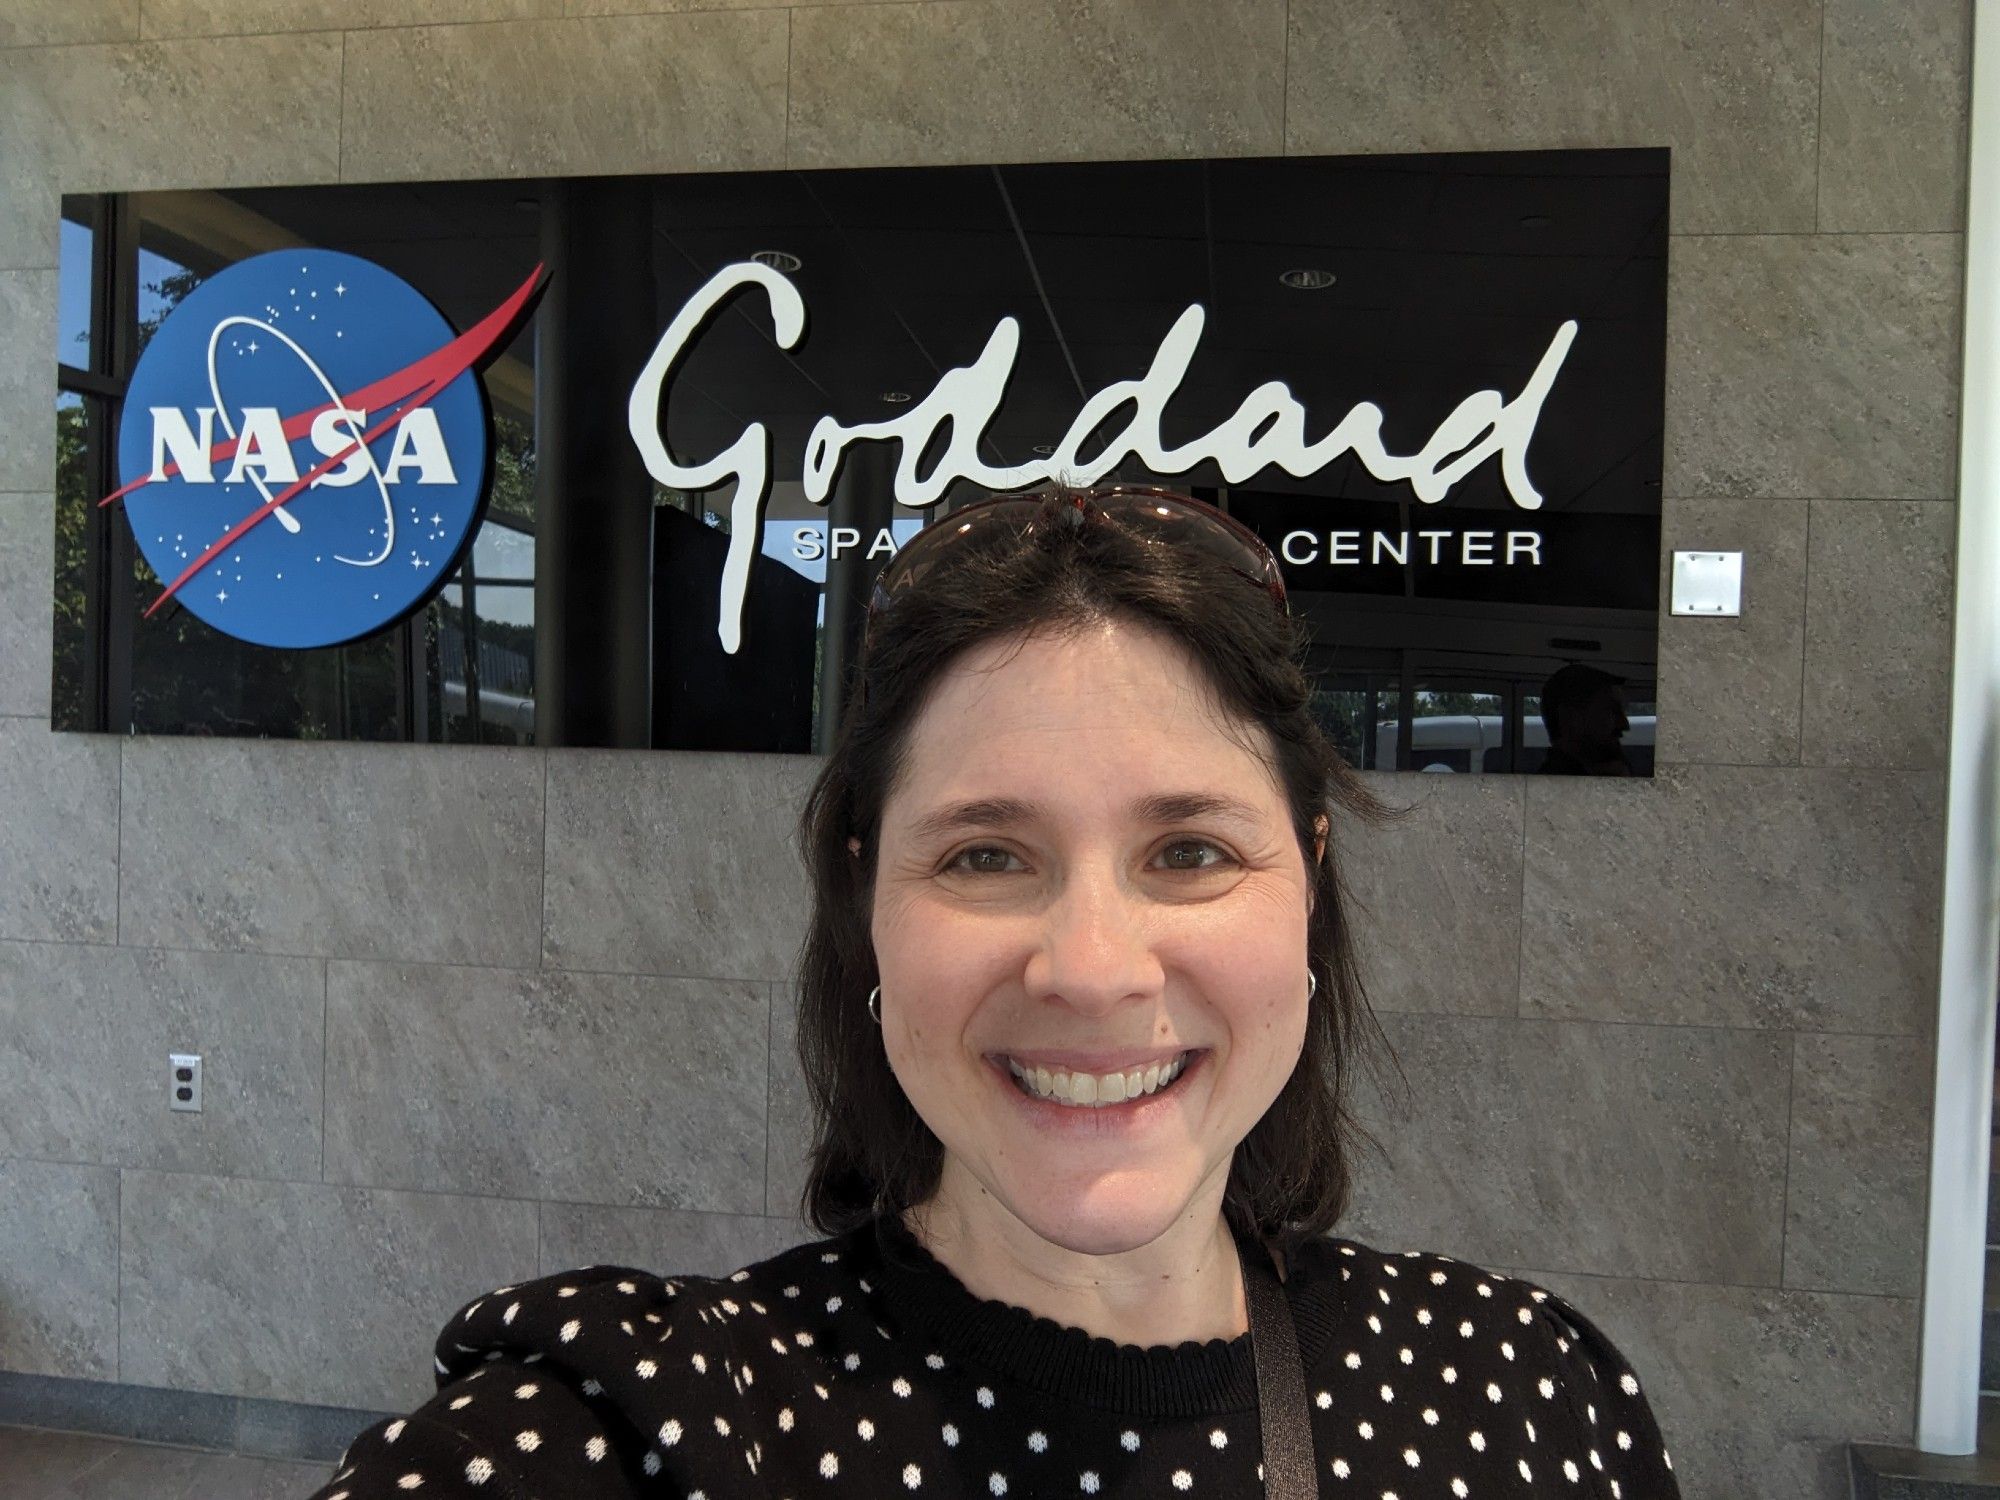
(969, 861)
(988, 859)
(1180, 844)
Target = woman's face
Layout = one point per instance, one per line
(1082, 872)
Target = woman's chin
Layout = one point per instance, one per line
(1101, 1219)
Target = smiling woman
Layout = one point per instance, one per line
(1079, 1012)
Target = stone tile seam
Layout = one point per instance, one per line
(785, 144)
(325, 1016)
(12, 49)
(118, 1292)
(1872, 768)
(770, 1040)
(776, 985)
(1805, 633)
(115, 1441)
(1956, 232)
(1785, 1192)
(524, 970)
(340, 115)
(1535, 1275)
(1819, 122)
(1530, 1018)
(1521, 906)
(1858, 768)
(1285, 85)
(20, 49)
(112, 1442)
(118, 1440)
(121, 1168)
(542, 874)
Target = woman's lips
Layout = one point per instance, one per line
(1055, 1114)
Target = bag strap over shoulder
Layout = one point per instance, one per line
(1281, 1388)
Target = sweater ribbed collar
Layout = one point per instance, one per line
(1158, 1380)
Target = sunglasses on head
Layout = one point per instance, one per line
(1148, 512)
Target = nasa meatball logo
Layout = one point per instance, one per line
(305, 447)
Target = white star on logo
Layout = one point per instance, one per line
(221, 596)
(339, 289)
(253, 346)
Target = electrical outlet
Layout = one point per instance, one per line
(184, 1083)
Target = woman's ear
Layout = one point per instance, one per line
(854, 846)
(1320, 826)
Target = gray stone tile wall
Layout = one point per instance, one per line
(472, 1014)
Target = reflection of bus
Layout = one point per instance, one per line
(1478, 742)
(510, 709)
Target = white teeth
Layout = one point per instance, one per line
(1091, 1091)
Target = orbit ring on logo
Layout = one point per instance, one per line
(305, 448)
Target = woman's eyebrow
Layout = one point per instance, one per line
(1159, 807)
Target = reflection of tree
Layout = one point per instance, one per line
(169, 289)
(189, 678)
(513, 491)
(1343, 717)
(1431, 703)
(73, 499)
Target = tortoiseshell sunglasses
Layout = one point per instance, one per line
(1149, 511)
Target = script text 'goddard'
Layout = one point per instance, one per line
(1268, 429)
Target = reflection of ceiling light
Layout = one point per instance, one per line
(896, 398)
(1045, 449)
(1536, 221)
(1307, 279)
(777, 260)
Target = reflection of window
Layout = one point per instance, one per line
(481, 642)
(1351, 709)
(75, 291)
(85, 393)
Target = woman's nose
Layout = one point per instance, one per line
(1096, 946)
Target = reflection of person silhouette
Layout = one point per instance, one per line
(1585, 715)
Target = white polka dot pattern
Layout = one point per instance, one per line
(819, 1374)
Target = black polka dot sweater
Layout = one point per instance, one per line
(861, 1366)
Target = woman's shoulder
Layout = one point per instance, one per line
(1502, 1336)
(1460, 1298)
(576, 1311)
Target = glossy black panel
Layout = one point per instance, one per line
(1436, 623)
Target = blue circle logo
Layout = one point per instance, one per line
(304, 452)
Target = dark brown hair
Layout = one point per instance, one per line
(871, 1152)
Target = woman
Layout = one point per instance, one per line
(1078, 1013)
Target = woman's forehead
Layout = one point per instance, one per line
(1117, 721)
(1063, 676)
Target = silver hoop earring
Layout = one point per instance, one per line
(1312, 981)
(874, 995)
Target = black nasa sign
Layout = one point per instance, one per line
(1432, 383)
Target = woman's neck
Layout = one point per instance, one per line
(1185, 1284)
